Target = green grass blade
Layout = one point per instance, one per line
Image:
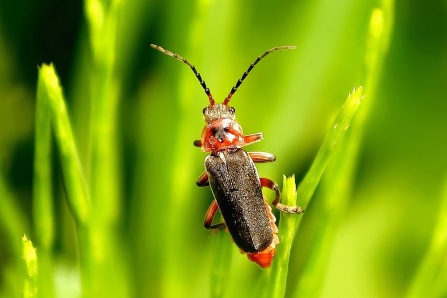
(290, 223)
(42, 187)
(429, 279)
(278, 279)
(12, 221)
(104, 180)
(100, 275)
(42, 194)
(223, 248)
(380, 29)
(29, 257)
(109, 275)
(337, 131)
(50, 92)
(306, 190)
(335, 194)
(337, 187)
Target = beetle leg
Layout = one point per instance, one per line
(197, 143)
(265, 182)
(262, 157)
(253, 138)
(203, 180)
(210, 216)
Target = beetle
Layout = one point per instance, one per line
(232, 175)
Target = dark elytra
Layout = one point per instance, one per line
(235, 184)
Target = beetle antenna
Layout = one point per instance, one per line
(239, 82)
(199, 77)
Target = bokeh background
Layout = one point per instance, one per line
(399, 178)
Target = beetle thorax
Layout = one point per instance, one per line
(218, 111)
(222, 134)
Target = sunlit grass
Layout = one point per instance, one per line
(92, 215)
(30, 269)
(338, 183)
(429, 279)
(122, 127)
(289, 225)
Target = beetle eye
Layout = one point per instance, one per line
(205, 110)
(232, 111)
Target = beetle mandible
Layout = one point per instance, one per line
(233, 178)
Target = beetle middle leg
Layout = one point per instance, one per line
(262, 157)
(212, 209)
(203, 180)
(265, 182)
(210, 216)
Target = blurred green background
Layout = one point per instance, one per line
(399, 182)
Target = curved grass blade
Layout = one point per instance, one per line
(290, 223)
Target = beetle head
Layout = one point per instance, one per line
(218, 111)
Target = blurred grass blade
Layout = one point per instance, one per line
(13, 223)
(223, 252)
(42, 194)
(430, 278)
(30, 268)
(50, 92)
(42, 182)
(380, 29)
(108, 275)
(12, 220)
(104, 180)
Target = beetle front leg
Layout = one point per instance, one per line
(210, 216)
(197, 143)
(265, 182)
(253, 138)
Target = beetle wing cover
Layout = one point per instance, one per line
(236, 187)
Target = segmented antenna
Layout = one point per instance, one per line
(199, 77)
(239, 82)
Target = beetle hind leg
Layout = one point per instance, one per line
(265, 182)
